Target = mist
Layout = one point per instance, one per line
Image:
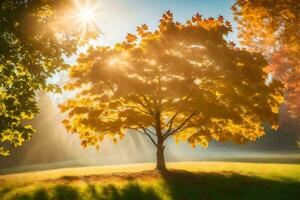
(52, 145)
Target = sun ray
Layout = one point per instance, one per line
(80, 15)
(85, 15)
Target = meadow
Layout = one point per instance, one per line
(185, 181)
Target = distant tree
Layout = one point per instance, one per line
(272, 27)
(33, 39)
(181, 80)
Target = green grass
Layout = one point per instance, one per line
(186, 181)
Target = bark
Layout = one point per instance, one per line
(160, 159)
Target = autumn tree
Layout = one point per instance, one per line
(272, 27)
(33, 39)
(183, 80)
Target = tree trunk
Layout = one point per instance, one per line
(160, 159)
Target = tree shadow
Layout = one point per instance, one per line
(130, 191)
(4, 190)
(65, 192)
(227, 185)
(59, 192)
(175, 184)
(40, 194)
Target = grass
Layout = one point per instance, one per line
(186, 181)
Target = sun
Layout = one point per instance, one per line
(86, 14)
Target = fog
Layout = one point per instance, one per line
(51, 145)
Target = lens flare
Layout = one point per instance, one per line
(86, 15)
(83, 15)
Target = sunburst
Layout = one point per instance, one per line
(82, 15)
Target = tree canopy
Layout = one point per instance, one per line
(33, 39)
(183, 80)
(272, 27)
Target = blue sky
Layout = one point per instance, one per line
(118, 17)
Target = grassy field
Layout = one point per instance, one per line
(186, 181)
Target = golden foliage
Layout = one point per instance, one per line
(182, 79)
(33, 40)
(273, 28)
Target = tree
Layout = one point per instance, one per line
(183, 80)
(33, 39)
(272, 27)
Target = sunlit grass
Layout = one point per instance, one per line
(270, 171)
(189, 178)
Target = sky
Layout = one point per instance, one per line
(116, 18)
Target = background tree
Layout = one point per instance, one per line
(181, 80)
(272, 27)
(33, 38)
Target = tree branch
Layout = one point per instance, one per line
(148, 106)
(139, 109)
(171, 123)
(181, 125)
(146, 133)
(150, 112)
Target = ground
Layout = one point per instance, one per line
(186, 181)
